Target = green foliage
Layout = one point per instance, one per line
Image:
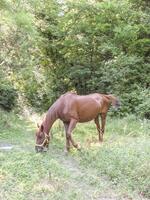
(101, 47)
(8, 93)
(35, 90)
(19, 52)
(143, 108)
(8, 96)
(77, 45)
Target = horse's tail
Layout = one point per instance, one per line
(114, 100)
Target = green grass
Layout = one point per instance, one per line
(117, 169)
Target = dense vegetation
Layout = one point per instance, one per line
(50, 47)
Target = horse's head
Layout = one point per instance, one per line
(42, 140)
(115, 101)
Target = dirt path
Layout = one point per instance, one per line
(85, 180)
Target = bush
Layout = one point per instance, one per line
(143, 109)
(8, 96)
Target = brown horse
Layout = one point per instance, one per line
(71, 109)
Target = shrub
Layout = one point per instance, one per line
(143, 109)
(8, 96)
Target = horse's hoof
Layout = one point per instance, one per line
(100, 140)
(66, 151)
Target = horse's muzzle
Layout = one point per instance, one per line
(117, 105)
(40, 149)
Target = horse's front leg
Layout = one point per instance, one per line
(100, 136)
(72, 125)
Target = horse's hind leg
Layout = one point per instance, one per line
(72, 125)
(100, 136)
(66, 125)
(103, 120)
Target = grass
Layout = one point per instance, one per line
(117, 169)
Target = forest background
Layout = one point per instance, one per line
(49, 47)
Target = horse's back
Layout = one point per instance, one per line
(81, 107)
(71, 98)
(89, 106)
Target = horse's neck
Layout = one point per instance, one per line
(50, 118)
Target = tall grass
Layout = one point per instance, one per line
(124, 157)
(120, 163)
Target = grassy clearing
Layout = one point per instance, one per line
(117, 169)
